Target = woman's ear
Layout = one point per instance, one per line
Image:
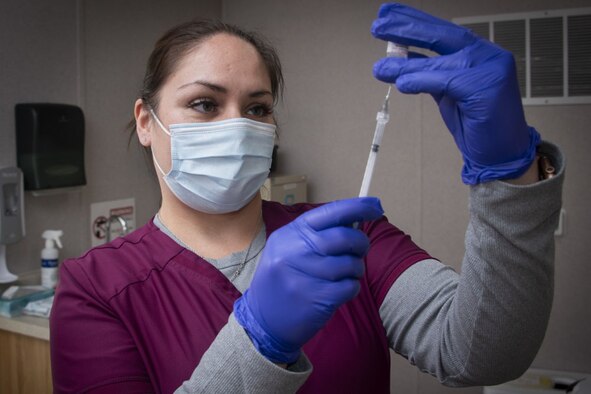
(143, 121)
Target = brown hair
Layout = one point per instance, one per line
(176, 42)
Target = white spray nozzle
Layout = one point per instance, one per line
(52, 236)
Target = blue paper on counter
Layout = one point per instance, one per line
(15, 298)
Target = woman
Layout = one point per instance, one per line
(222, 292)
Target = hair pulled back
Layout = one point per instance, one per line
(170, 49)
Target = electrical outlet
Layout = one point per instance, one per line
(101, 212)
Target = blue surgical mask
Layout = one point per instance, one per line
(218, 167)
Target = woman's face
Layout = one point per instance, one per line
(224, 77)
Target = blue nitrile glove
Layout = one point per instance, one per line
(308, 269)
(474, 82)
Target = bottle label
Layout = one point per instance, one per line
(53, 263)
(49, 277)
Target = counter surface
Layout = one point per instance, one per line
(31, 326)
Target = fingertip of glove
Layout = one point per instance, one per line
(387, 7)
(376, 28)
(380, 71)
(402, 85)
(383, 10)
(407, 84)
(381, 26)
(374, 202)
(376, 69)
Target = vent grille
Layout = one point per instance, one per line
(579, 55)
(546, 57)
(511, 36)
(552, 51)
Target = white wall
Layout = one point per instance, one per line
(91, 54)
(326, 127)
(38, 63)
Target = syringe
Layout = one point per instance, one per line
(382, 118)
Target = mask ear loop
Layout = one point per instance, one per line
(159, 122)
(165, 131)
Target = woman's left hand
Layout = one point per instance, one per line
(474, 83)
(309, 268)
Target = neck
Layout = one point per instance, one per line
(212, 235)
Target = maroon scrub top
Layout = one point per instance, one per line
(137, 314)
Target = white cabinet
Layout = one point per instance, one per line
(286, 189)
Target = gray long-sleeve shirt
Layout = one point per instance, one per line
(481, 327)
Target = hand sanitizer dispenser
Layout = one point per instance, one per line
(12, 216)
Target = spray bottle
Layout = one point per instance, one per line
(49, 258)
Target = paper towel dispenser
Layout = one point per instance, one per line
(50, 145)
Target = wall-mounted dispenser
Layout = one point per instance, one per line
(50, 146)
(12, 215)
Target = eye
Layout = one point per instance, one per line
(205, 106)
(260, 110)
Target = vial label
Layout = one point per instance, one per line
(396, 50)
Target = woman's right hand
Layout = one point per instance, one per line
(308, 269)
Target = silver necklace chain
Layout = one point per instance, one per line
(244, 261)
(238, 271)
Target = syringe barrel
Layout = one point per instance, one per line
(368, 175)
(373, 154)
(382, 118)
(379, 132)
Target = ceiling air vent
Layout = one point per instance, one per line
(552, 51)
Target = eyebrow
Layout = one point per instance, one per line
(221, 89)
